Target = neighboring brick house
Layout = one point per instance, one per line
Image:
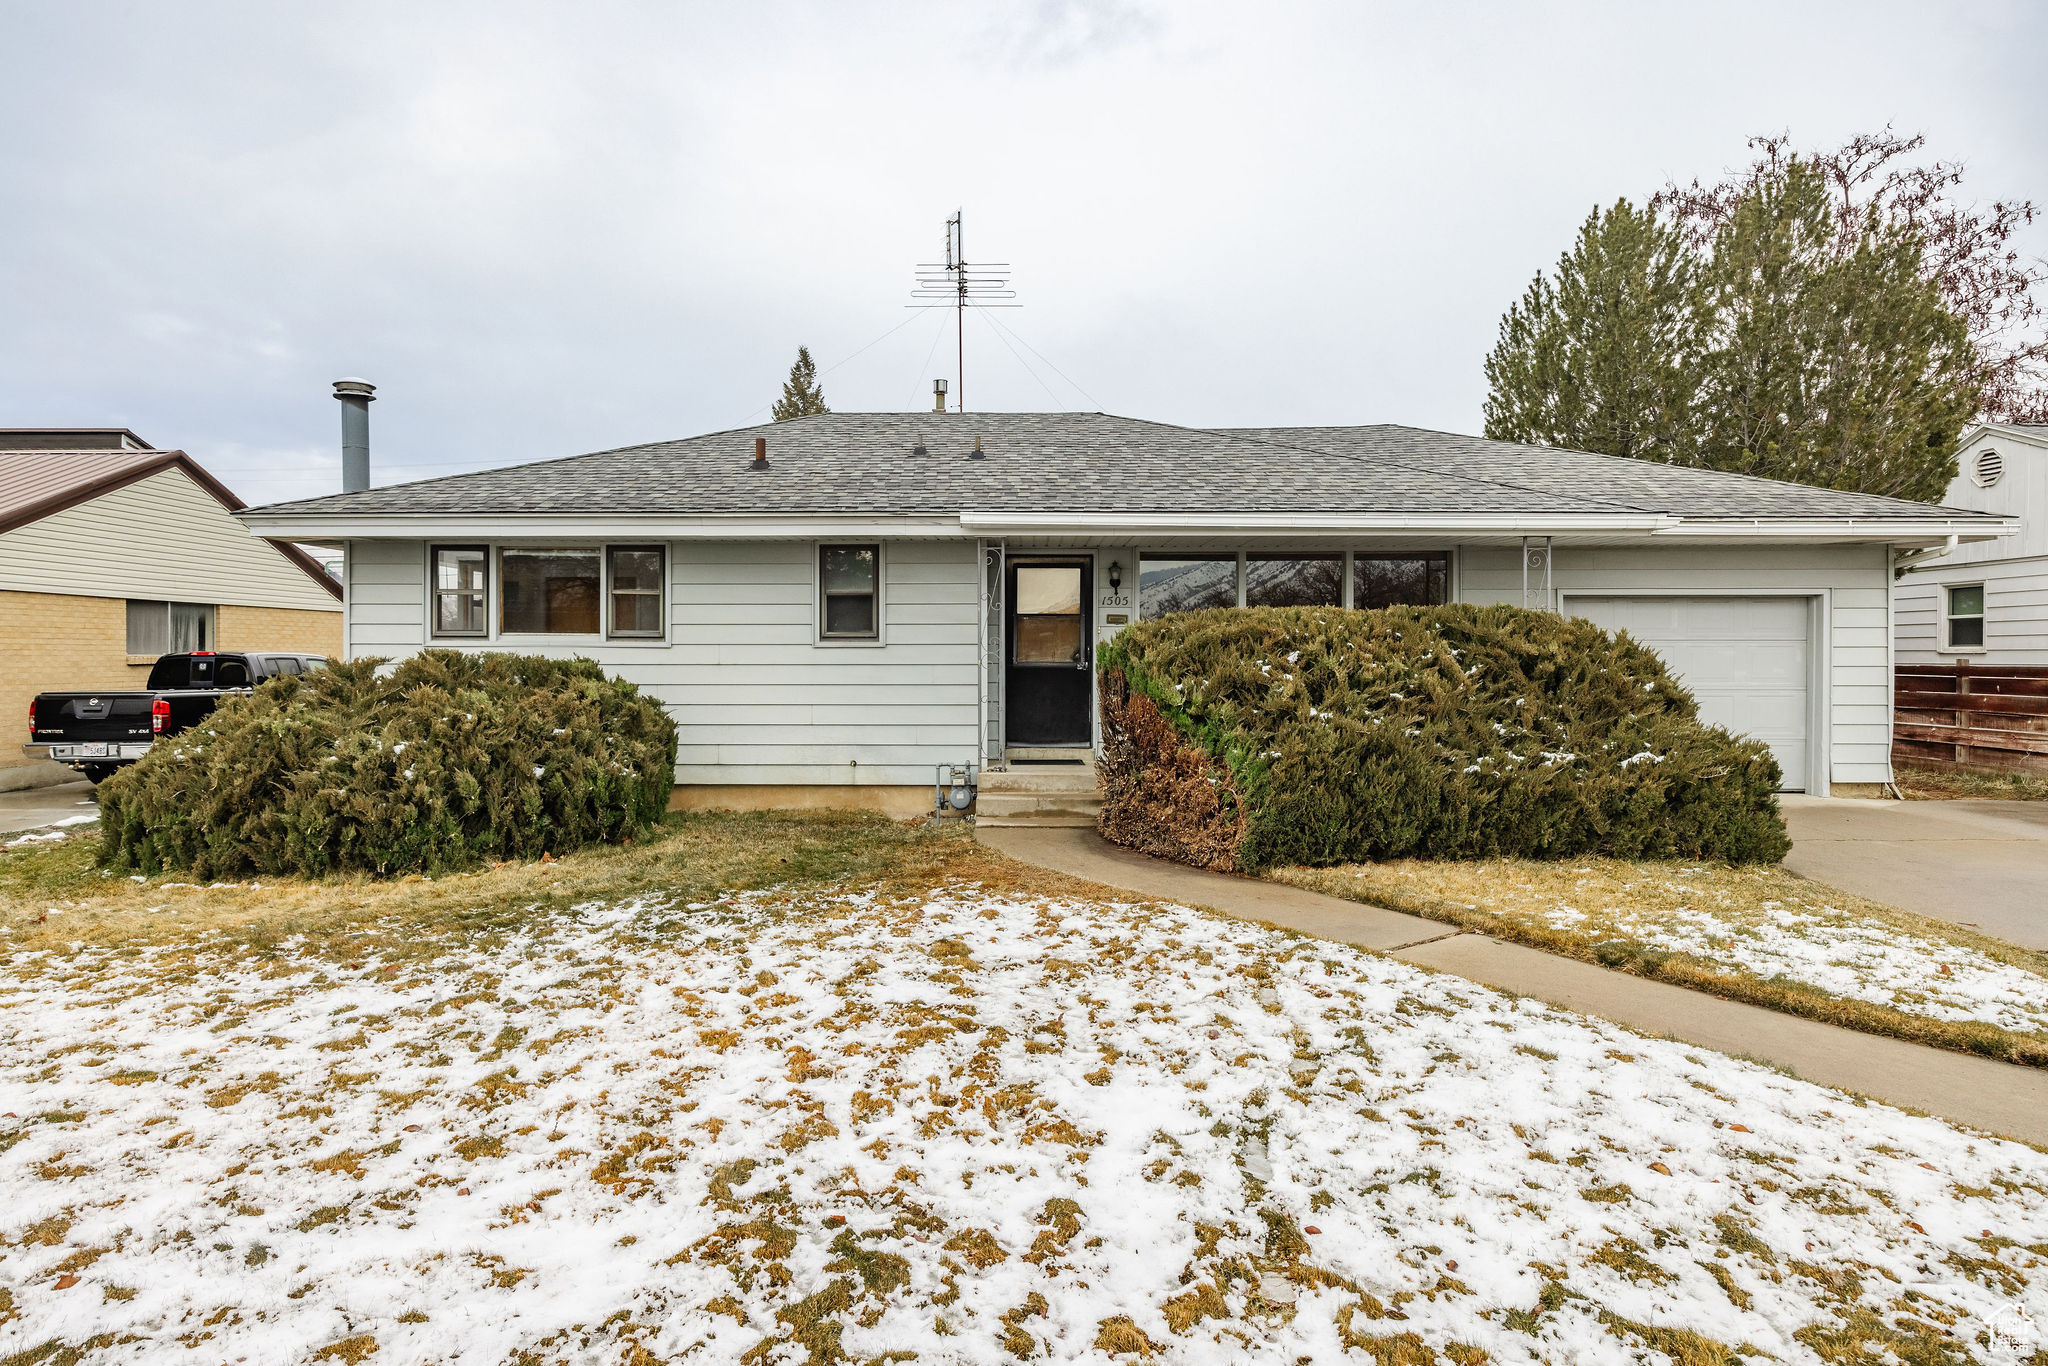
(112, 553)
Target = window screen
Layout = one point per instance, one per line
(848, 579)
(636, 579)
(461, 584)
(1966, 617)
(547, 591)
(1185, 583)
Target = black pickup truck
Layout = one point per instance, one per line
(97, 732)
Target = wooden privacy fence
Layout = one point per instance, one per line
(1971, 714)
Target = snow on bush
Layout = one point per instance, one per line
(960, 1125)
(447, 759)
(1244, 738)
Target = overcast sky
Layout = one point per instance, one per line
(548, 229)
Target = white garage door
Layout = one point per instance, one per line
(1747, 660)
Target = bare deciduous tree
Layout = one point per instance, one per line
(1967, 249)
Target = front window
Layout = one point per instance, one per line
(849, 592)
(1185, 583)
(1399, 580)
(1293, 580)
(1966, 617)
(548, 590)
(461, 574)
(635, 589)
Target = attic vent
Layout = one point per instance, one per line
(1989, 468)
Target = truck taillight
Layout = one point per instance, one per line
(31, 720)
(159, 715)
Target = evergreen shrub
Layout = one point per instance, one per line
(1249, 737)
(442, 762)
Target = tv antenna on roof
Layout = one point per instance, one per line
(960, 287)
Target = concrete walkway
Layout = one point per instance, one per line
(28, 807)
(1980, 864)
(1969, 1090)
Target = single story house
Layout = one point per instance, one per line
(1985, 602)
(112, 553)
(836, 606)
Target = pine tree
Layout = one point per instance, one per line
(1832, 359)
(1605, 357)
(801, 396)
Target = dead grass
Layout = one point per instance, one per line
(1940, 783)
(55, 895)
(1511, 898)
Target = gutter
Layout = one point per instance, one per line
(1905, 560)
(1314, 524)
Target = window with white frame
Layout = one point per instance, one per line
(635, 575)
(849, 592)
(169, 628)
(461, 590)
(1966, 616)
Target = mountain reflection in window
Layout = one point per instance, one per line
(1294, 581)
(1185, 584)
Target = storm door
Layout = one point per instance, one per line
(1050, 671)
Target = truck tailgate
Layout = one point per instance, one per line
(92, 716)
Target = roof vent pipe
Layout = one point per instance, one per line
(356, 396)
(760, 453)
(977, 453)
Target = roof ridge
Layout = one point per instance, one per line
(1424, 469)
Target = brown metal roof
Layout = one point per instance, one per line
(35, 484)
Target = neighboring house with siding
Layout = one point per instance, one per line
(884, 594)
(111, 554)
(1985, 602)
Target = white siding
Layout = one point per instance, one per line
(2021, 491)
(387, 597)
(2015, 612)
(1850, 582)
(756, 697)
(159, 537)
(2013, 569)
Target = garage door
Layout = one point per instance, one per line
(1748, 661)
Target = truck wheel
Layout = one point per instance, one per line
(99, 773)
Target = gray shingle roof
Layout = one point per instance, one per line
(863, 463)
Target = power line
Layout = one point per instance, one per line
(834, 366)
(1096, 403)
(1021, 361)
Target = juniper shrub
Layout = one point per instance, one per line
(442, 762)
(1302, 735)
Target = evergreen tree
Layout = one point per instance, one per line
(1831, 358)
(1606, 357)
(801, 396)
(1793, 341)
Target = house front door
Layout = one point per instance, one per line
(1048, 660)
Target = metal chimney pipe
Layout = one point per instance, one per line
(356, 396)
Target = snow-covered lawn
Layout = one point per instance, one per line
(1761, 924)
(958, 1125)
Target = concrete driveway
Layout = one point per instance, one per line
(30, 807)
(1980, 864)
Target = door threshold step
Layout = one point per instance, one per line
(1048, 754)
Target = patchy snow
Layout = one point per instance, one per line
(957, 1125)
(55, 830)
(1848, 955)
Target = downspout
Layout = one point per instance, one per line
(1891, 673)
